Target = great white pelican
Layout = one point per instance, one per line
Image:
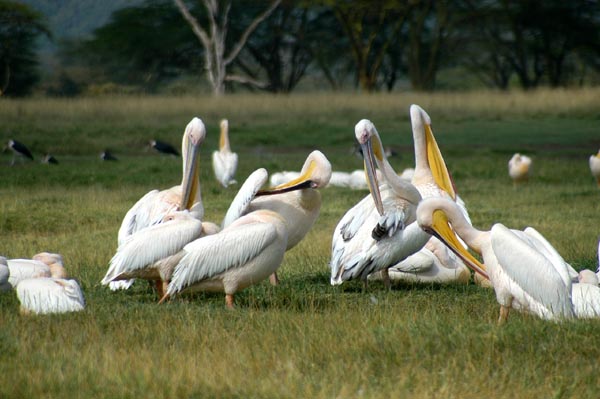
(519, 168)
(527, 273)
(224, 161)
(244, 253)
(155, 205)
(298, 201)
(47, 295)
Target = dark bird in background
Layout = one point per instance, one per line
(107, 156)
(163, 148)
(50, 159)
(19, 150)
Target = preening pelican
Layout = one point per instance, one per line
(519, 168)
(595, 167)
(155, 205)
(152, 253)
(50, 295)
(243, 253)
(379, 231)
(527, 273)
(298, 201)
(224, 161)
(19, 150)
(44, 264)
(434, 262)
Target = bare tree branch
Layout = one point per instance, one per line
(246, 80)
(200, 33)
(240, 44)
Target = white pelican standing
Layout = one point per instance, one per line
(380, 230)
(298, 201)
(525, 270)
(247, 251)
(152, 253)
(595, 167)
(224, 161)
(519, 168)
(46, 295)
(155, 205)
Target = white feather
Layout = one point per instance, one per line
(245, 195)
(50, 295)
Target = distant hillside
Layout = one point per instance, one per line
(77, 18)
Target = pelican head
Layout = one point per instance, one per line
(373, 153)
(315, 173)
(432, 217)
(587, 276)
(194, 135)
(432, 157)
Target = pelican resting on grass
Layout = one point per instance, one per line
(380, 230)
(298, 201)
(224, 161)
(278, 178)
(525, 270)
(19, 150)
(519, 168)
(155, 205)
(46, 295)
(44, 264)
(245, 252)
(152, 253)
(586, 295)
(595, 167)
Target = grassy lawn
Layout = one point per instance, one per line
(303, 338)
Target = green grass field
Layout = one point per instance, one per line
(302, 338)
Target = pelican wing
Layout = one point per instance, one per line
(566, 271)
(212, 255)
(152, 244)
(531, 270)
(136, 218)
(224, 166)
(239, 205)
(586, 300)
(50, 295)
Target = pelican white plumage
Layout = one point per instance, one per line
(224, 161)
(595, 167)
(155, 205)
(298, 201)
(434, 263)
(519, 168)
(245, 252)
(4, 275)
(44, 264)
(586, 295)
(379, 231)
(278, 178)
(46, 295)
(340, 179)
(527, 274)
(152, 253)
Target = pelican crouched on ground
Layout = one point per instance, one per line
(519, 168)
(224, 161)
(525, 270)
(153, 207)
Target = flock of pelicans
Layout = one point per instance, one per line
(413, 228)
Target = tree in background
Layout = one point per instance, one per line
(213, 40)
(144, 45)
(19, 28)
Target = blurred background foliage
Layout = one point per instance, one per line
(87, 47)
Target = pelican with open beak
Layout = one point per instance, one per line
(527, 273)
(298, 201)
